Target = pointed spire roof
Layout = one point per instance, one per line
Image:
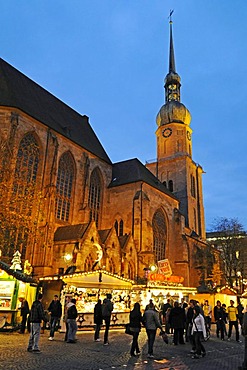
(172, 67)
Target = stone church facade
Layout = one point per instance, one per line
(129, 214)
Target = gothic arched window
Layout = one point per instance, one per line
(121, 225)
(170, 185)
(95, 196)
(27, 162)
(65, 178)
(159, 235)
(116, 226)
(23, 192)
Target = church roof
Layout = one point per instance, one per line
(71, 232)
(133, 170)
(19, 91)
(104, 234)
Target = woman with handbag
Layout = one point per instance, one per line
(135, 328)
(199, 332)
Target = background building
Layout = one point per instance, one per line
(66, 206)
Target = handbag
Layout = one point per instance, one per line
(127, 329)
(164, 336)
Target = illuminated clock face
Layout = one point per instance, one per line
(188, 135)
(167, 132)
(172, 87)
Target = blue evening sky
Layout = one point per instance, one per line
(108, 59)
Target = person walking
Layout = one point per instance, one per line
(71, 321)
(107, 309)
(189, 324)
(165, 307)
(219, 318)
(136, 320)
(177, 322)
(24, 313)
(55, 310)
(225, 317)
(244, 333)
(199, 332)
(151, 322)
(97, 320)
(233, 320)
(37, 315)
(207, 311)
(240, 309)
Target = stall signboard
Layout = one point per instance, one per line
(164, 267)
(6, 293)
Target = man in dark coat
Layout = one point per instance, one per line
(97, 319)
(55, 310)
(24, 312)
(177, 322)
(107, 309)
(37, 315)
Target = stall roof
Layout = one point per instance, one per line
(99, 279)
(19, 275)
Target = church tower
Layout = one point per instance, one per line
(175, 167)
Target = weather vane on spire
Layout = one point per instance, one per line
(170, 15)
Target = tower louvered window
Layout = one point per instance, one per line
(95, 196)
(65, 178)
(159, 235)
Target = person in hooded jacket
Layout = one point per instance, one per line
(135, 327)
(177, 322)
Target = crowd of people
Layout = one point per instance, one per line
(185, 322)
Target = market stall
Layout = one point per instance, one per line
(13, 285)
(88, 287)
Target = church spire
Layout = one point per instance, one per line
(172, 80)
(171, 55)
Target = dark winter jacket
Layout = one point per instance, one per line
(72, 312)
(24, 308)
(244, 327)
(219, 313)
(177, 318)
(55, 308)
(189, 316)
(107, 308)
(98, 313)
(37, 313)
(135, 319)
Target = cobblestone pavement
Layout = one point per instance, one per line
(89, 355)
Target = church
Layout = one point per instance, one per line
(66, 207)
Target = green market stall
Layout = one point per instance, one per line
(13, 284)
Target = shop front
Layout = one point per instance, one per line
(13, 285)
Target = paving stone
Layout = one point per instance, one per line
(89, 355)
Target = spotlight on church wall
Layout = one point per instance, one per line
(68, 257)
